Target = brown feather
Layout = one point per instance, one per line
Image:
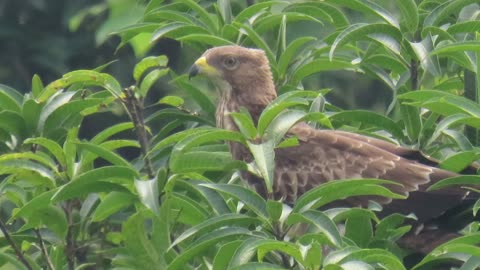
(325, 155)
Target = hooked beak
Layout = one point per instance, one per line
(193, 71)
(201, 66)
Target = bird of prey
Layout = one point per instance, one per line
(243, 78)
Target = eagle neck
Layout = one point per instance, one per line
(235, 99)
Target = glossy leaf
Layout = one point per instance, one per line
(111, 204)
(341, 189)
(147, 63)
(251, 199)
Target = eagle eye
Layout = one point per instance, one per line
(230, 62)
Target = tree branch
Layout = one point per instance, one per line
(44, 249)
(70, 242)
(135, 111)
(17, 250)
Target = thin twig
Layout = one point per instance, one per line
(135, 111)
(44, 249)
(414, 74)
(17, 250)
(70, 247)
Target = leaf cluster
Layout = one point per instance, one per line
(74, 203)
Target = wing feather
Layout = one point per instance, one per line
(325, 155)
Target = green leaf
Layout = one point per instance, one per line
(70, 150)
(112, 203)
(187, 210)
(205, 39)
(369, 256)
(394, 64)
(55, 219)
(244, 122)
(289, 99)
(225, 9)
(61, 116)
(266, 23)
(287, 56)
(341, 189)
(251, 199)
(214, 223)
(86, 77)
(264, 156)
(443, 103)
(282, 37)
(207, 136)
(368, 7)
(33, 206)
(198, 96)
(409, 14)
(457, 180)
(359, 230)
(138, 243)
(205, 242)
(148, 192)
(318, 65)
(322, 11)
(29, 171)
(444, 11)
(458, 46)
(342, 214)
(111, 131)
(174, 101)
(257, 40)
(247, 250)
(274, 209)
(202, 14)
(201, 161)
(464, 27)
(390, 36)
(224, 254)
(476, 207)
(465, 245)
(257, 8)
(104, 153)
(437, 31)
(96, 180)
(147, 63)
(41, 159)
(214, 200)
(459, 161)
(54, 148)
(387, 228)
(12, 261)
(37, 85)
(53, 103)
(178, 30)
(174, 138)
(31, 112)
(257, 266)
(282, 123)
(428, 62)
(13, 123)
(10, 99)
(371, 118)
(320, 221)
(150, 79)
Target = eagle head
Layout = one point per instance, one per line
(235, 70)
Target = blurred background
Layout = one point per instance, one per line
(52, 37)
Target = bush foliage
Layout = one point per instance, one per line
(74, 203)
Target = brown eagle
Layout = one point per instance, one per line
(244, 79)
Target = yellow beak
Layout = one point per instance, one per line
(201, 66)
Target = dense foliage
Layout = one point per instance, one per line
(75, 203)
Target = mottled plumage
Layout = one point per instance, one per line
(244, 79)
